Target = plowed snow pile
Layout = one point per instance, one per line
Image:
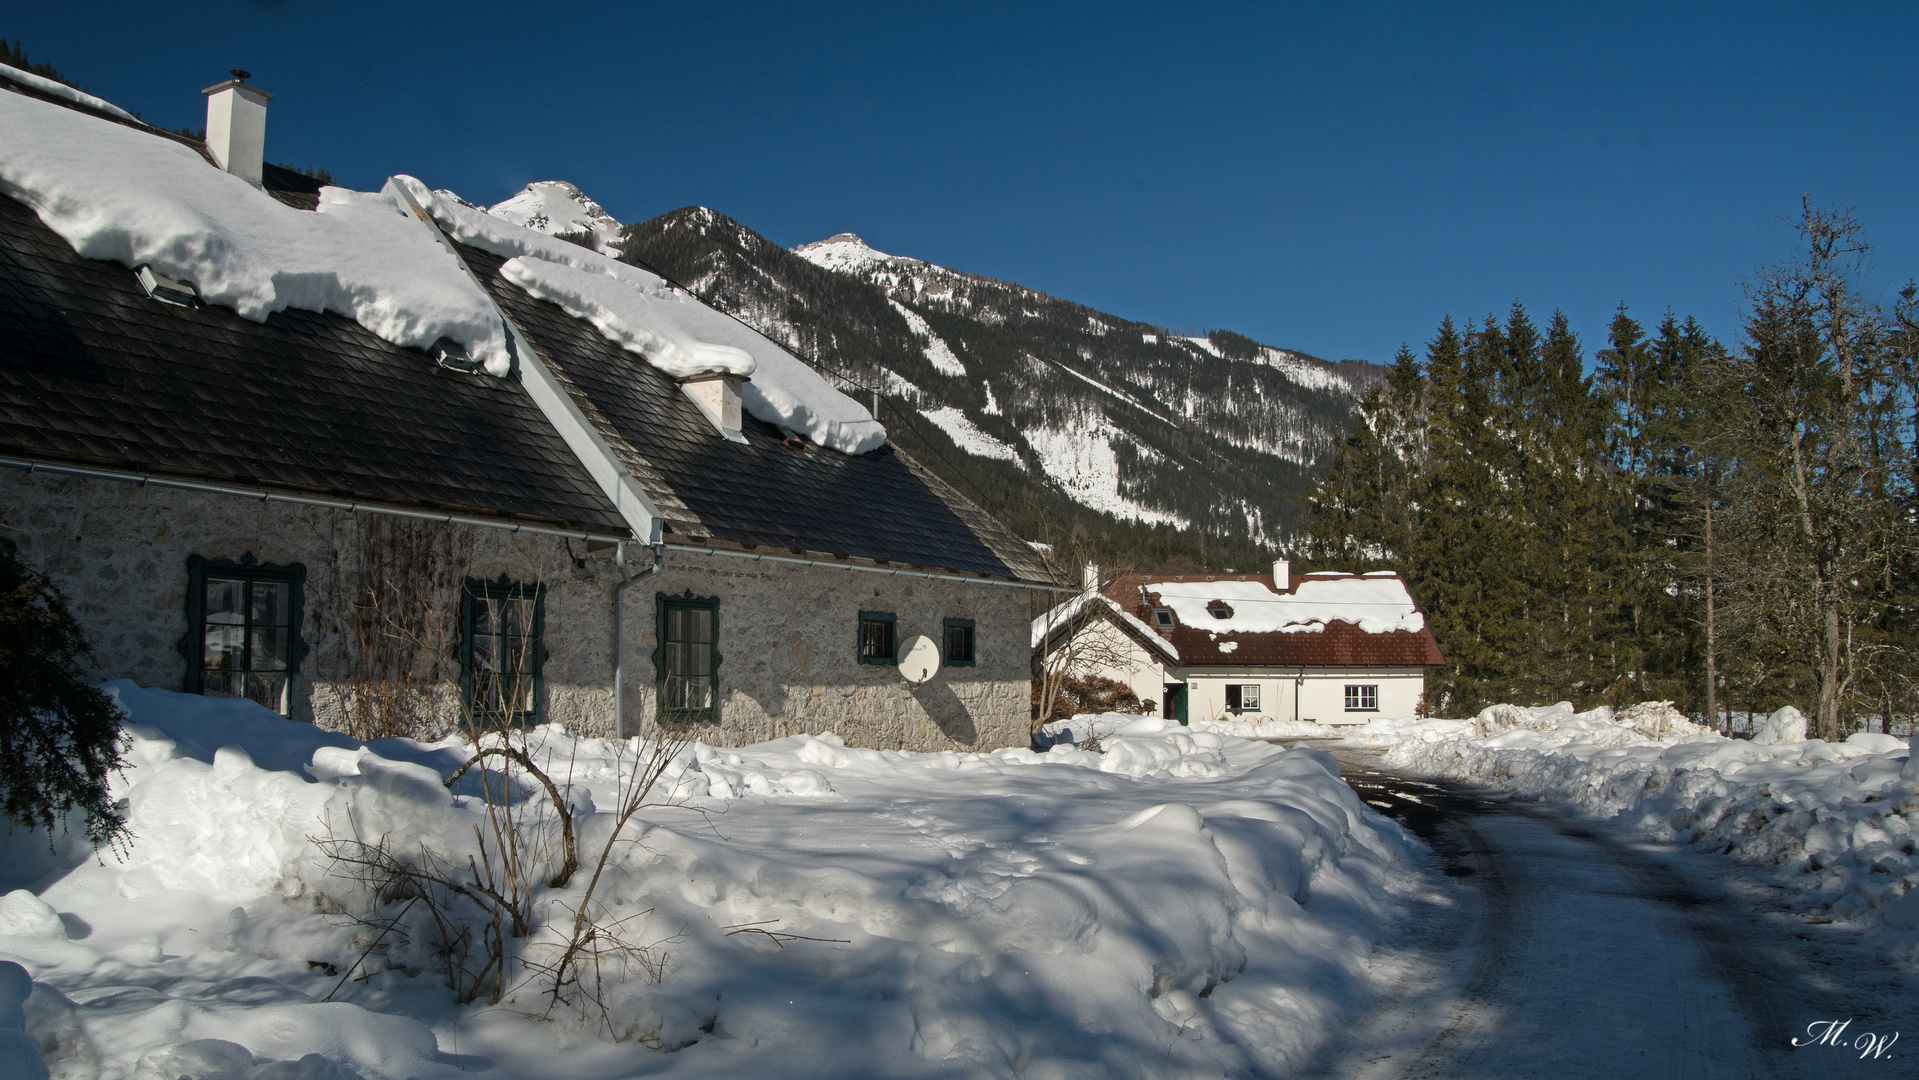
(1837, 821)
(1180, 905)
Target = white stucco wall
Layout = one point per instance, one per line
(118, 553)
(1111, 653)
(1320, 693)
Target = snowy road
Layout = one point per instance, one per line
(1553, 948)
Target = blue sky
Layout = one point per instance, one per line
(1332, 178)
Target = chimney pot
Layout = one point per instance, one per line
(1282, 576)
(237, 127)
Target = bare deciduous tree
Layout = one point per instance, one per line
(1818, 482)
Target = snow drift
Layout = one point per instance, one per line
(1836, 822)
(1183, 904)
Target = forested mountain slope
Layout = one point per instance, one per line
(1065, 422)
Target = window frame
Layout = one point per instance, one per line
(473, 592)
(1365, 690)
(947, 626)
(193, 645)
(663, 603)
(1163, 618)
(892, 622)
(1238, 690)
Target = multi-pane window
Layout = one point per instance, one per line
(1242, 697)
(687, 659)
(501, 654)
(243, 630)
(959, 643)
(877, 643)
(1362, 698)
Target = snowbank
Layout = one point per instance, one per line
(135, 198)
(1836, 821)
(1377, 605)
(1183, 904)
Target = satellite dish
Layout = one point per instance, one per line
(920, 660)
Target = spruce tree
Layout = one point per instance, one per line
(59, 737)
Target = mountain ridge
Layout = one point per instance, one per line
(1073, 425)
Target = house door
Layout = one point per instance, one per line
(1175, 702)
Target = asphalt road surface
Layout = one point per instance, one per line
(1554, 947)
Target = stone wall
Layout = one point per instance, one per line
(118, 552)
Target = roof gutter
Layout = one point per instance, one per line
(761, 557)
(581, 436)
(30, 465)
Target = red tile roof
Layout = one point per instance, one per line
(1340, 644)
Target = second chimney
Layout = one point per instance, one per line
(237, 128)
(1282, 576)
(1089, 578)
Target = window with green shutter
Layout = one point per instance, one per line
(243, 630)
(502, 652)
(879, 644)
(959, 643)
(686, 662)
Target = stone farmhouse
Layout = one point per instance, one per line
(1327, 648)
(580, 514)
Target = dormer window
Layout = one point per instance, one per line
(1163, 618)
(1219, 609)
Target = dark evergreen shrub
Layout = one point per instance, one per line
(59, 737)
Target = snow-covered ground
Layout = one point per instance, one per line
(1182, 904)
(1836, 823)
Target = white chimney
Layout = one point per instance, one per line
(717, 393)
(1089, 578)
(237, 127)
(1282, 576)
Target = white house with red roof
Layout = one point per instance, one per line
(1323, 647)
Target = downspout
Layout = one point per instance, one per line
(1299, 684)
(619, 652)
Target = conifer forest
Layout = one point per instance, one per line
(1729, 525)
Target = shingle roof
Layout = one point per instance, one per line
(95, 373)
(1339, 644)
(764, 493)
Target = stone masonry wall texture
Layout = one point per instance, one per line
(118, 553)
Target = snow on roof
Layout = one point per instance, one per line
(117, 193)
(641, 320)
(62, 90)
(1064, 614)
(1377, 605)
(555, 206)
(668, 326)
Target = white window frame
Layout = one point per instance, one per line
(1244, 689)
(1362, 697)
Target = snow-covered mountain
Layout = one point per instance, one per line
(1039, 408)
(557, 208)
